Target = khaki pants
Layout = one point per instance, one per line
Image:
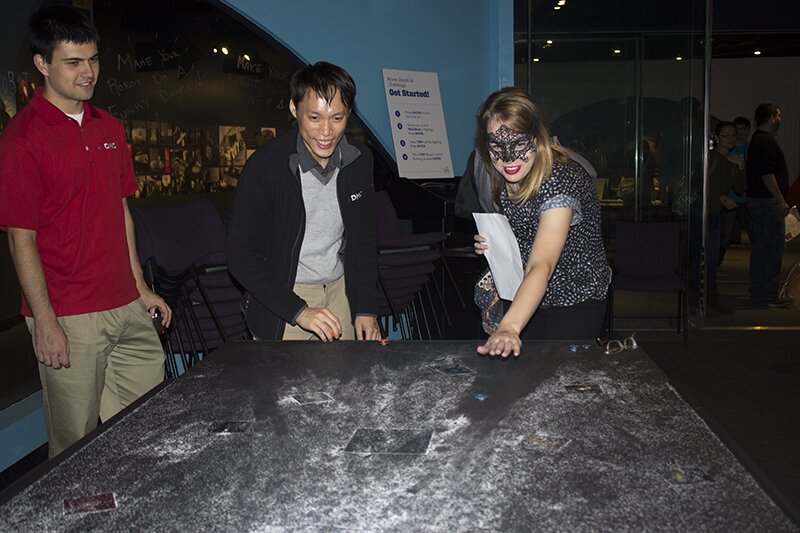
(115, 357)
(330, 296)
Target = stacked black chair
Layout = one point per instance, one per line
(406, 272)
(183, 250)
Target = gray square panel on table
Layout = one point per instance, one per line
(256, 438)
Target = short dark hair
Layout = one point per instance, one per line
(325, 79)
(52, 25)
(765, 111)
(723, 124)
(743, 121)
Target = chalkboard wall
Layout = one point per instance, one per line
(159, 63)
(197, 91)
(197, 87)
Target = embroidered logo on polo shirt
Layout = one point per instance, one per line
(110, 146)
(357, 196)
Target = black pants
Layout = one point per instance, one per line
(583, 321)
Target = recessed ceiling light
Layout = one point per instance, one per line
(246, 56)
(549, 41)
(557, 8)
(535, 59)
(678, 58)
(562, 2)
(757, 53)
(224, 50)
(617, 51)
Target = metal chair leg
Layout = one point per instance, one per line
(433, 310)
(424, 314)
(207, 301)
(390, 301)
(610, 313)
(453, 281)
(441, 299)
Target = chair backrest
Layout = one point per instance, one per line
(180, 235)
(386, 217)
(647, 249)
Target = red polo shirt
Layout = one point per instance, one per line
(66, 182)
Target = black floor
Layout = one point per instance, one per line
(746, 386)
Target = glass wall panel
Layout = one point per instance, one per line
(625, 88)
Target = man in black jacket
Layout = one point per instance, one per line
(302, 239)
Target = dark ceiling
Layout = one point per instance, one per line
(740, 27)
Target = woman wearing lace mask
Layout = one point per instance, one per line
(552, 206)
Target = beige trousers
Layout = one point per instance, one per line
(331, 296)
(115, 357)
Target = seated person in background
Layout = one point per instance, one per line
(302, 238)
(551, 204)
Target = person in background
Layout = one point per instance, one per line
(742, 125)
(725, 173)
(302, 234)
(552, 206)
(733, 222)
(767, 185)
(65, 173)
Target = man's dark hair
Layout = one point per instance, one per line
(52, 25)
(743, 121)
(764, 112)
(324, 79)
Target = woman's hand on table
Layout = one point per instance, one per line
(503, 342)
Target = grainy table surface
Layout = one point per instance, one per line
(406, 437)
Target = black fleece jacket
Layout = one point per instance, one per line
(267, 227)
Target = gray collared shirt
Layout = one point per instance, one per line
(321, 252)
(304, 161)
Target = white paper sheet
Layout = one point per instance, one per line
(503, 254)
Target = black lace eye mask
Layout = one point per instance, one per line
(508, 145)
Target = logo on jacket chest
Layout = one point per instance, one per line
(356, 196)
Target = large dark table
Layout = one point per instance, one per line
(406, 437)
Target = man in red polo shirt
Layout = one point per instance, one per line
(65, 173)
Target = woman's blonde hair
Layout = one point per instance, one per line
(514, 108)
